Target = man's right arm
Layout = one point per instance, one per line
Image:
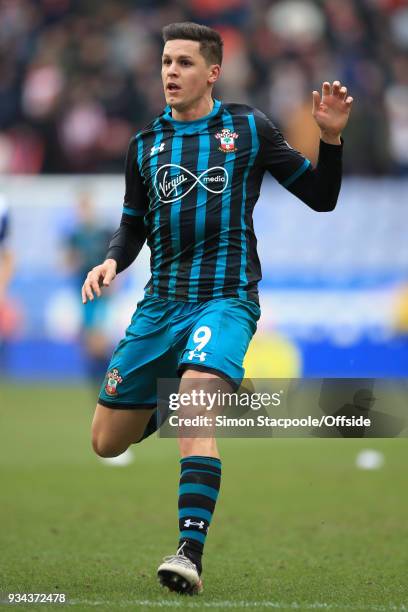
(129, 238)
(127, 241)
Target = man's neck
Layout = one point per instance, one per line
(202, 108)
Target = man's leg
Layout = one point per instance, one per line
(127, 407)
(200, 481)
(114, 429)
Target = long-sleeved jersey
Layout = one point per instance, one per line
(195, 184)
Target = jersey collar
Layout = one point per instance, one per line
(196, 122)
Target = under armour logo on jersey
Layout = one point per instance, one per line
(190, 523)
(157, 149)
(193, 354)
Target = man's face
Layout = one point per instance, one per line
(185, 73)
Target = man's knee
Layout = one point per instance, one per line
(106, 447)
(105, 442)
(114, 430)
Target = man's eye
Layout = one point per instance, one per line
(186, 63)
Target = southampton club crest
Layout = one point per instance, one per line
(227, 140)
(113, 380)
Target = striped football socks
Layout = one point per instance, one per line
(199, 486)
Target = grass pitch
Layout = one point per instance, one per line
(297, 525)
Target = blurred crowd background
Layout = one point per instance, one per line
(79, 77)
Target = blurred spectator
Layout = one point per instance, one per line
(76, 83)
(396, 99)
(6, 256)
(86, 246)
(8, 315)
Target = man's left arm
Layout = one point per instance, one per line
(317, 187)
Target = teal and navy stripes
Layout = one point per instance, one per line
(200, 214)
(198, 491)
(155, 228)
(244, 249)
(292, 178)
(136, 212)
(196, 183)
(224, 236)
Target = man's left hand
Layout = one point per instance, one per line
(331, 110)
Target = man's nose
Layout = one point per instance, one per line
(173, 69)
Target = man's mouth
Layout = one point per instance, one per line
(173, 87)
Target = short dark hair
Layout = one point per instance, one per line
(211, 43)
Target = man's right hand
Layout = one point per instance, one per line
(101, 275)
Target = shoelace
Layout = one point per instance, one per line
(180, 558)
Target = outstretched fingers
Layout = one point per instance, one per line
(336, 90)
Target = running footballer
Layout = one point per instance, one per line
(193, 176)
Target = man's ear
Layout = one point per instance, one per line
(215, 70)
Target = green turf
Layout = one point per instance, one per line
(297, 524)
